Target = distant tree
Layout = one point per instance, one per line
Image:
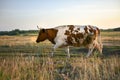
(4, 32)
(117, 29)
(14, 32)
(19, 32)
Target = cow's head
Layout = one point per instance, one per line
(42, 35)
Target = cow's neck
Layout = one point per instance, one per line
(51, 34)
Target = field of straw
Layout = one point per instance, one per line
(23, 59)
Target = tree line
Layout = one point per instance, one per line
(114, 29)
(18, 32)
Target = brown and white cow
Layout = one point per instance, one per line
(72, 35)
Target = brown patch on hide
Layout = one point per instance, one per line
(86, 29)
(51, 34)
(69, 40)
(71, 27)
(79, 35)
(78, 29)
(74, 37)
(79, 38)
(91, 29)
(89, 39)
(67, 32)
(95, 31)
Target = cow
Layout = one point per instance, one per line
(72, 35)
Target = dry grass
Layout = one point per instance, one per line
(16, 40)
(110, 33)
(46, 68)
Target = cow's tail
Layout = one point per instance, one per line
(100, 41)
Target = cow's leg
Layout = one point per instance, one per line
(98, 47)
(68, 52)
(91, 48)
(54, 48)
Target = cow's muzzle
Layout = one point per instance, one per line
(37, 41)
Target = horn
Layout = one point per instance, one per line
(38, 27)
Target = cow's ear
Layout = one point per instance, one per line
(43, 30)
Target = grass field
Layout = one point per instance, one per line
(23, 59)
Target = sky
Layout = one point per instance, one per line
(27, 14)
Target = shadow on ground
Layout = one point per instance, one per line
(107, 50)
(43, 51)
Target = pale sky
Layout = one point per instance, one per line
(27, 14)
